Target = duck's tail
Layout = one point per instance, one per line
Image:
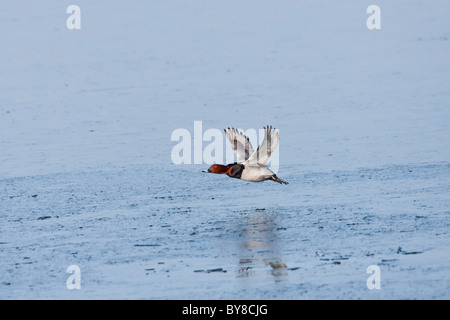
(276, 179)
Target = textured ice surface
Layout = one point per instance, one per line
(86, 176)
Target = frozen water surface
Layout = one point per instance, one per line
(86, 176)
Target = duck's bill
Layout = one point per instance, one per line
(207, 171)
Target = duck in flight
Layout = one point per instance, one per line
(251, 165)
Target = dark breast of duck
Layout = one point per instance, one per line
(236, 170)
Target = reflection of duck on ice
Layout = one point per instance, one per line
(260, 245)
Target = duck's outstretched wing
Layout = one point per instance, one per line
(240, 143)
(264, 151)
